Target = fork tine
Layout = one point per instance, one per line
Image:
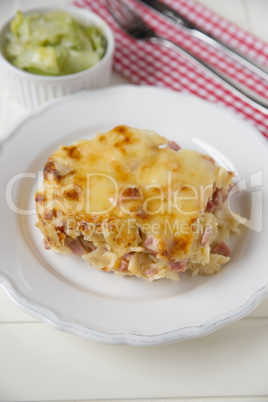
(121, 12)
(112, 7)
(128, 19)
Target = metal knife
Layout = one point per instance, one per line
(206, 37)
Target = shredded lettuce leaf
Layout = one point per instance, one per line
(53, 43)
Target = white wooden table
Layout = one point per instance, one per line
(38, 363)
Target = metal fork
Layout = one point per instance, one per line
(137, 28)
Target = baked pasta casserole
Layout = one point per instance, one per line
(132, 202)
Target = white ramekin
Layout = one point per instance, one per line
(31, 90)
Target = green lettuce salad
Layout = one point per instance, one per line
(53, 44)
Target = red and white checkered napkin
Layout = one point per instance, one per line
(146, 63)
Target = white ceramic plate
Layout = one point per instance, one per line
(72, 296)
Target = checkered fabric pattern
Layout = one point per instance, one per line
(145, 63)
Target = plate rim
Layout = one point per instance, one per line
(131, 338)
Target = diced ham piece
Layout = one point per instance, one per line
(123, 265)
(151, 245)
(205, 236)
(210, 206)
(45, 244)
(173, 145)
(76, 247)
(222, 249)
(151, 272)
(217, 197)
(177, 265)
(128, 255)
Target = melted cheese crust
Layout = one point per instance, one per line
(126, 201)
